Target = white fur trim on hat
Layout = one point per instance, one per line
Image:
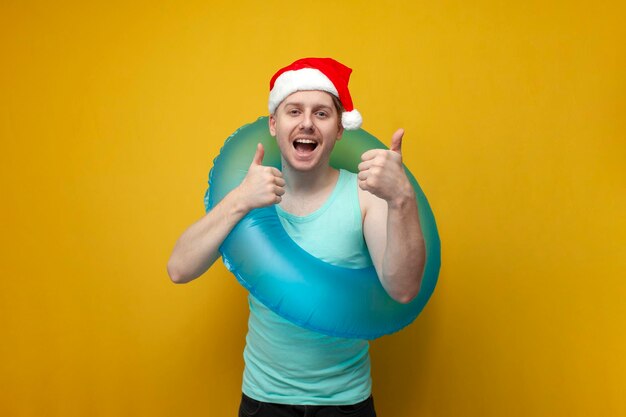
(351, 120)
(303, 79)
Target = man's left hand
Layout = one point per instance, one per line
(382, 174)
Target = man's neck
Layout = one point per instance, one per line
(306, 191)
(302, 183)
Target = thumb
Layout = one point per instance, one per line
(258, 156)
(396, 141)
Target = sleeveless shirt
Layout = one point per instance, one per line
(287, 364)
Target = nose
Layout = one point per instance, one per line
(307, 121)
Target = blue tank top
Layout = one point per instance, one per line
(288, 364)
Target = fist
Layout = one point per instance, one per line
(382, 174)
(262, 186)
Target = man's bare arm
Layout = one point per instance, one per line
(197, 248)
(391, 221)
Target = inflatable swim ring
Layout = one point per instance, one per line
(336, 301)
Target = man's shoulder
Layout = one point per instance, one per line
(370, 204)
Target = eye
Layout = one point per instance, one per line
(294, 112)
(322, 114)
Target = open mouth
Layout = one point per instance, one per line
(305, 145)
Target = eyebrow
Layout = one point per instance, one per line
(299, 103)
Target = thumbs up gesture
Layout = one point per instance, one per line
(382, 174)
(263, 185)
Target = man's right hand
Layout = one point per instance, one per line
(198, 247)
(262, 186)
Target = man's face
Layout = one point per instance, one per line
(306, 126)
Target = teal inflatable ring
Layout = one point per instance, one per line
(336, 301)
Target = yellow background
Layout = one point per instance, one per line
(111, 115)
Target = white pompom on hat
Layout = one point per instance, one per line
(324, 74)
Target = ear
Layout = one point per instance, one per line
(272, 125)
(340, 131)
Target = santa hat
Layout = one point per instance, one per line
(323, 74)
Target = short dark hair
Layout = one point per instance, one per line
(338, 105)
(339, 108)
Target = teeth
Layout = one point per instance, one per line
(305, 141)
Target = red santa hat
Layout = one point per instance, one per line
(323, 74)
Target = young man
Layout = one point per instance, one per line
(343, 218)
